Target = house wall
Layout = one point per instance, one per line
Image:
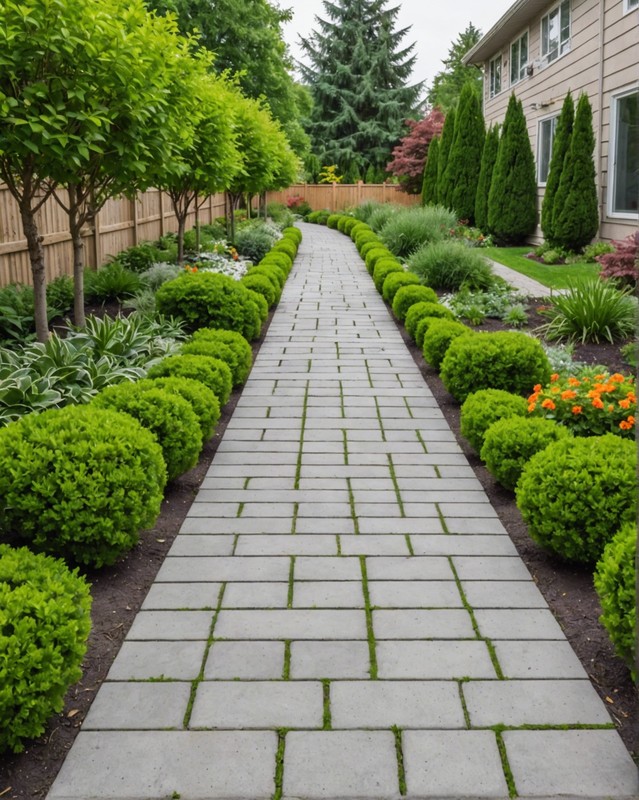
(603, 59)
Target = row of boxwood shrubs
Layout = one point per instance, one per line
(80, 482)
(577, 494)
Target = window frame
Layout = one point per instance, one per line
(553, 119)
(612, 154)
(522, 69)
(491, 92)
(562, 48)
(627, 8)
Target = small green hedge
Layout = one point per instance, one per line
(376, 254)
(366, 247)
(79, 482)
(272, 272)
(383, 269)
(436, 312)
(44, 625)
(332, 220)
(237, 343)
(407, 296)
(212, 349)
(202, 400)
(423, 309)
(210, 371)
(484, 407)
(394, 282)
(262, 285)
(576, 494)
(437, 339)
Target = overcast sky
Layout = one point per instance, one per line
(434, 26)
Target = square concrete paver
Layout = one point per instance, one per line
(453, 764)
(330, 660)
(138, 705)
(153, 660)
(434, 660)
(254, 660)
(340, 764)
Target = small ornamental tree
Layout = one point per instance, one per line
(464, 159)
(487, 167)
(409, 157)
(512, 200)
(575, 218)
(445, 143)
(560, 146)
(429, 185)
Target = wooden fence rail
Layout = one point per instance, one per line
(338, 196)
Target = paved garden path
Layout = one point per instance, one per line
(343, 614)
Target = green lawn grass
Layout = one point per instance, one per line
(554, 276)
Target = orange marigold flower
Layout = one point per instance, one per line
(576, 409)
(554, 377)
(601, 377)
(548, 404)
(632, 397)
(624, 403)
(631, 420)
(574, 382)
(537, 387)
(593, 393)
(531, 407)
(596, 402)
(569, 394)
(611, 407)
(617, 378)
(555, 389)
(624, 425)
(533, 398)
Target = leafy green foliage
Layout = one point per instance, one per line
(59, 296)
(254, 242)
(158, 274)
(448, 84)
(485, 406)
(435, 312)
(210, 371)
(44, 625)
(407, 296)
(383, 268)
(110, 282)
(445, 143)
(615, 578)
(451, 265)
(505, 360)
(261, 283)
(16, 314)
(380, 216)
(213, 349)
(424, 309)
(560, 146)
(486, 169)
(574, 500)
(495, 301)
(79, 482)
(510, 442)
(202, 400)
(237, 343)
(464, 159)
(376, 254)
(437, 338)
(394, 282)
(139, 258)
(406, 231)
(429, 182)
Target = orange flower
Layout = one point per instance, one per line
(555, 389)
(576, 409)
(574, 382)
(593, 393)
(548, 404)
(611, 407)
(632, 397)
(531, 407)
(569, 394)
(537, 387)
(624, 403)
(597, 402)
(624, 425)
(600, 377)
(554, 377)
(617, 378)
(533, 398)
(631, 420)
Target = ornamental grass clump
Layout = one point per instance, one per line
(79, 482)
(237, 343)
(394, 282)
(484, 407)
(576, 494)
(438, 337)
(45, 622)
(421, 310)
(590, 405)
(511, 442)
(409, 229)
(201, 399)
(615, 579)
(381, 215)
(506, 360)
(449, 265)
(407, 296)
(210, 371)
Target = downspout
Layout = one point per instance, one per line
(602, 190)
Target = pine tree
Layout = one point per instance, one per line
(429, 186)
(448, 134)
(448, 83)
(358, 77)
(560, 146)
(575, 219)
(488, 158)
(464, 159)
(512, 200)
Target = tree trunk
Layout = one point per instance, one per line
(36, 257)
(75, 228)
(181, 219)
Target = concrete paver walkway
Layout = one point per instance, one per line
(343, 614)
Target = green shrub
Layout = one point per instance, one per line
(207, 299)
(213, 349)
(254, 242)
(506, 360)
(170, 418)
(158, 274)
(375, 255)
(202, 400)
(16, 318)
(210, 371)
(407, 296)
(318, 217)
(511, 442)
(260, 303)
(615, 584)
(435, 312)
(394, 282)
(286, 246)
(576, 494)
(272, 271)
(381, 215)
(263, 285)
(451, 265)
(79, 482)
(139, 258)
(367, 245)
(59, 296)
(348, 226)
(110, 282)
(358, 229)
(420, 310)
(239, 345)
(437, 338)
(383, 269)
(480, 409)
(342, 222)
(332, 220)
(409, 229)
(45, 613)
(293, 233)
(278, 259)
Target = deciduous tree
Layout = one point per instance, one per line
(409, 157)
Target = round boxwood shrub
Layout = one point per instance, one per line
(279, 259)
(79, 482)
(332, 221)
(202, 400)
(262, 285)
(450, 265)
(350, 223)
(358, 229)
(383, 268)
(261, 304)
(272, 272)
(212, 349)
(615, 584)
(343, 221)
(437, 312)
(237, 343)
(394, 282)
(576, 494)
(485, 406)
(44, 625)
(511, 442)
(362, 238)
(293, 233)
(423, 309)
(208, 299)
(437, 338)
(407, 296)
(375, 255)
(210, 371)
(286, 246)
(170, 418)
(506, 360)
(372, 244)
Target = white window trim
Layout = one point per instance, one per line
(510, 56)
(612, 145)
(542, 57)
(501, 68)
(540, 183)
(627, 8)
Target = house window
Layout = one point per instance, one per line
(545, 139)
(624, 155)
(518, 59)
(555, 32)
(629, 5)
(494, 71)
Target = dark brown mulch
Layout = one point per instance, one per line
(119, 591)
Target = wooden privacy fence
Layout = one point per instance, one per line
(338, 196)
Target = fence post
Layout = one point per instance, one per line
(97, 241)
(134, 209)
(359, 192)
(333, 197)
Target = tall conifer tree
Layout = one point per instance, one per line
(448, 134)
(358, 75)
(560, 146)
(575, 218)
(488, 159)
(429, 186)
(464, 159)
(512, 200)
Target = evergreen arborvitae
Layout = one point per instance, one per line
(429, 186)
(575, 219)
(560, 146)
(464, 158)
(512, 200)
(445, 143)
(488, 158)
(358, 77)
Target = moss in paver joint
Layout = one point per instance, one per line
(398, 495)
(327, 720)
(309, 364)
(410, 411)
(246, 483)
(263, 434)
(409, 544)
(379, 419)
(236, 539)
(369, 620)
(505, 764)
(268, 412)
(341, 400)
(291, 583)
(442, 519)
(279, 763)
(351, 502)
(462, 700)
(240, 509)
(286, 669)
(368, 373)
(298, 468)
(274, 389)
(345, 444)
(399, 750)
(338, 543)
(420, 439)
(296, 508)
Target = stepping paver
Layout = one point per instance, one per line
(343, 614)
